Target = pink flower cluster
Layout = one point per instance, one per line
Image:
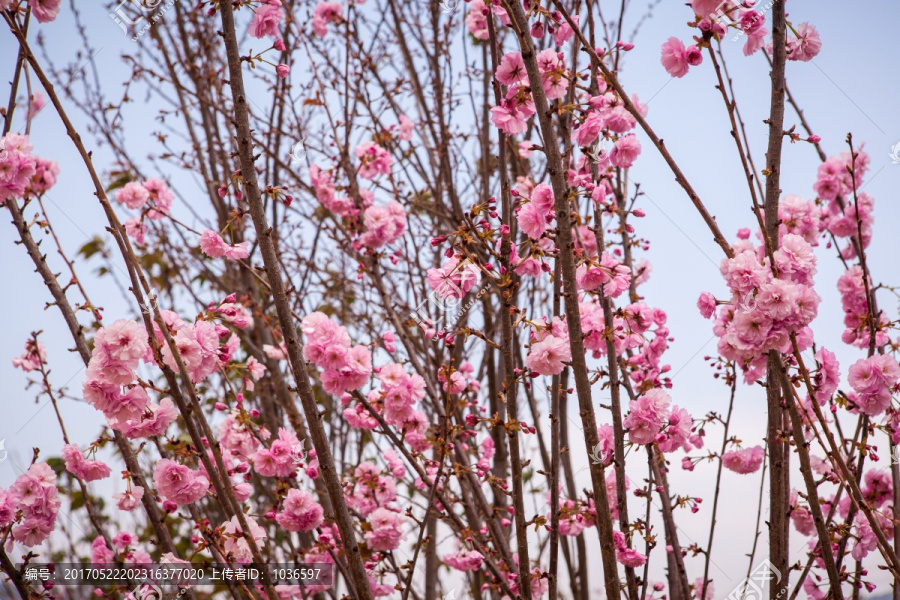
(373, 160)
(476, 20)
(21, 172)
(550, 348)
(267, 19)
(535, 216)
(35, 355)
(44, 11)
(384, 225)
(677, 59)
(454, 279)
(745, 461)
(610, 273)
(873, 380)
(80, 467)
(300, 511)
(212, 245)
(371, 488)
(386, 530)
(178, 483)
(765, 310)
(625, 555)
(328, 346)
(647, 415)
(325, 13)
(464, 561)
(282, 458)
(34, 494)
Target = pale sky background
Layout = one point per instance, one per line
(852, 86)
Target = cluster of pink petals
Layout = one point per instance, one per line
(21, 172)
(471, 560)
(118, 348)
(852, 287)
(80, 467)
(765, 311)
(300, 512)
(677, 59)
(407, 126)
(34, 494)
(646, 416)
(136, 194)
(550, 348)
(373, 160)
(346, 367)
(610, 273)
(511, 115)
(554, 75)
(235, 545)
(400, 392)
(535, 217)
(199, 349)
(745, 461)
(384, 225)
(873, 379)
(454, 278)
(35, 355)
(806, 45)
(178, 483)
(44, 11)
(212, 245)
(130, 499)
(267, 19)
(325, 13)
(235, 313)
(386, 530)
(800, 217)
(323, 184)
(372, 488)
(477, 22)
(625, 555)
(282, 458)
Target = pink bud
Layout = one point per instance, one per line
(279, 45)
(254, 413)
(169, 506)
(220, 406)
(814, 139)
(537, 30)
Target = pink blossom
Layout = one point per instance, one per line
(510, 121)
(212, 244)
(374, 160)
(35, 494)
(806, 45)
(235, 543)
(511, 69)
(266, 20)
(35, 355)
(674, 57)
(136, 230)
(547, 356)
(532, 220)
(384, 224)
(44, 11)
(324, 13)
(707, 305)
(282, 70)
(86, 470)
(744, 461)
(179, 483)
(45, 174)
(301, 511)
(646, 415)
(133, 195)
(406, 128)
(386, 530)
(454, 279)
(625, 151)
(464, 561)
(564, 32)
(129, 500)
